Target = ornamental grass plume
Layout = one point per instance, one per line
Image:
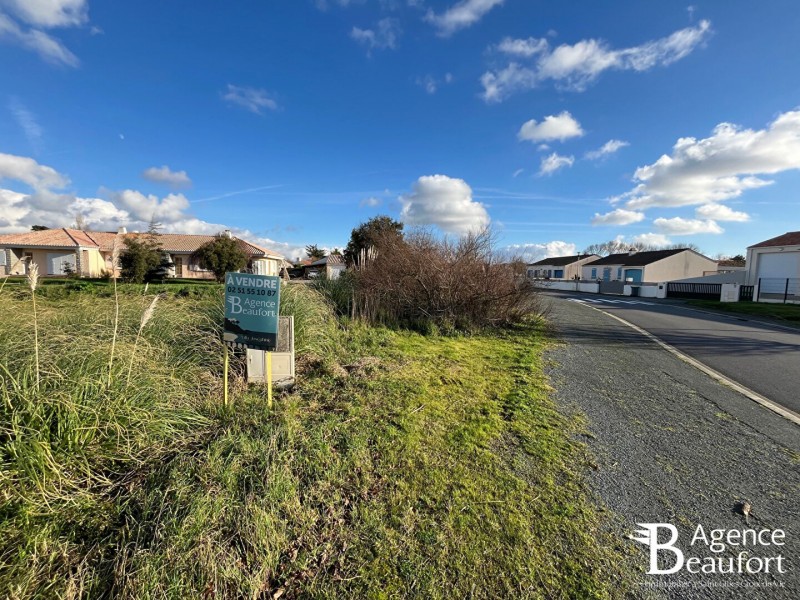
(114, 262)
(146, 316)
(33, 281)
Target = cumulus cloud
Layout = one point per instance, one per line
(576, 66)
(149, 207)
(445, 202)
(652, 239)
(461, 15)
(610, 147)
(30, 172)
(255, 100)
(534, 252)
(680, 226)
(167, 176)
(384, 35)
(554, 162)
(720, 212)
(620, 216)
(554, 127)
(723, 166)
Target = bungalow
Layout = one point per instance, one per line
(650, 266)
(331, 266)
(63, 251)
(776, 258)
(559, 267)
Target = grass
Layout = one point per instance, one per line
(788, 313)
(401, 466)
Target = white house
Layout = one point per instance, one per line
(559, 267)
(777, 258)
(651, 266)
(331, 267)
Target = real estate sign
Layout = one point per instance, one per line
(251, 310)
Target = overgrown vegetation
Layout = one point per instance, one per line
(427, 283)
(143, 258)
(401, 465)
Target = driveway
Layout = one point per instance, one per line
(674, 446)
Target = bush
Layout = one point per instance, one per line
(421, 280)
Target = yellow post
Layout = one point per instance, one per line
(268, 374)
(225, 377)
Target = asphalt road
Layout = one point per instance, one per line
(672, 445)
(762, 357)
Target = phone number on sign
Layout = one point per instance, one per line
(250, 291)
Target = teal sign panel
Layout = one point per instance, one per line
(251, 310)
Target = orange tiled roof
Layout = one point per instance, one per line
(790, 238)
(104, 240)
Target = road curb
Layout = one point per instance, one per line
(745, 391)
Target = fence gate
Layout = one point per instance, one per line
(779, 289)
(699, 291)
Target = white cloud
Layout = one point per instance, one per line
(619, 216)
(370, 202)
(30, 172)
(534, 252)
(461, 15)
(720, 212)
(610, 147)
(445, 202)
(43, 44)
(431, 84)
(554, 162)
(383, 36)
(145, 208)
(576, 66)
(525, 48)
(49, 13)
(680, 226)
(719, 167)
(652, 239)
(168, 176)
(518, 172)
(553, 127)
(253, 99)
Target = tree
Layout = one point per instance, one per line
(143, 259)
(221, 255)
(314, 252)
(39, 228)
(371, 234)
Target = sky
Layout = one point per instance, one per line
(558, 124)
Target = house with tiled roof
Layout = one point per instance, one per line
(775, 258)
(648, 266)
(63, 251)
(559, 267)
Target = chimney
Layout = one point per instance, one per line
(122, 230)
(632, 251)
(227, 233)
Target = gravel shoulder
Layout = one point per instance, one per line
(674, 446)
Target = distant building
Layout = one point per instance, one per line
(330, 266)
(649, 266)
(559, 267)
(59, 252)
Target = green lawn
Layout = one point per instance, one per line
(789, 313)
(402, 465)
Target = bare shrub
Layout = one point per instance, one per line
(421, 281)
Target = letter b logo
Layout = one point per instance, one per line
(650, 537)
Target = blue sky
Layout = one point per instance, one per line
(558, 124)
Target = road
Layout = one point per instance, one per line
(762, 357)
(672, 445)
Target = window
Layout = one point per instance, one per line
(2, 257)
(619, 273)
(594, 273)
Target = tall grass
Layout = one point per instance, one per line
(115, 251)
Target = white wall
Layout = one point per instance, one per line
(679, 266)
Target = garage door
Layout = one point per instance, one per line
(61, 263)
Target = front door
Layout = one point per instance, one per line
(606, 273)
(27, 259)
(178, 266)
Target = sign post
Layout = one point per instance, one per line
(251, 315)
